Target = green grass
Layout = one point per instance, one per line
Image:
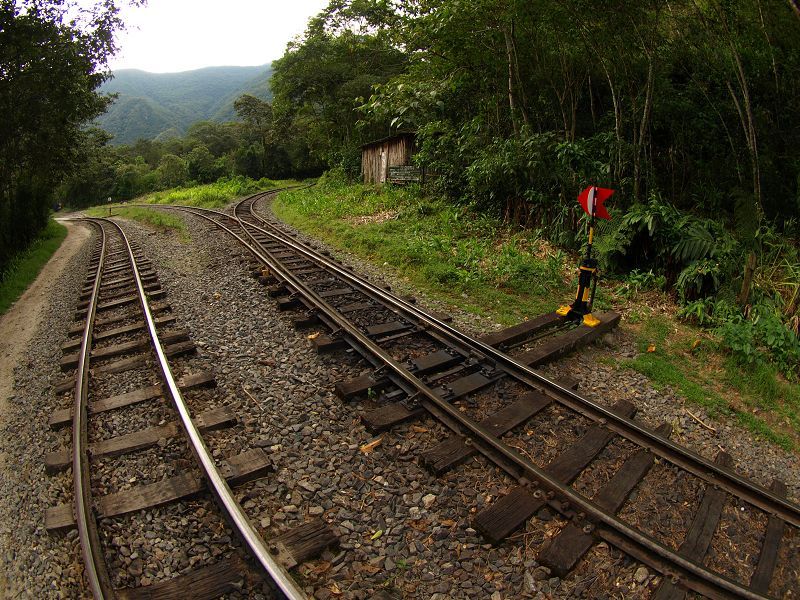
(24, 268)
(156, 219)
(753, 396)
(467, 259)
(213, 195)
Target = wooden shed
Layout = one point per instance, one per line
(377, 157)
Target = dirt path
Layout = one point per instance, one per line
(17, 330)
(19, 323)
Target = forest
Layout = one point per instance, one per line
(690, 109)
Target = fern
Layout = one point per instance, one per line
(700, 278)
(697, 243)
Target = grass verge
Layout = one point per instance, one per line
(214, 195)
(457, 255)
(156, 219)
(690, 361)
(24, 268)
(478, 264)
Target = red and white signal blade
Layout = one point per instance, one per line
(592, 199)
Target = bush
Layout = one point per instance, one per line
(762, 339)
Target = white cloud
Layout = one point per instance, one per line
(178, 35)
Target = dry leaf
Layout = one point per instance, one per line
(448, 522)
(376, 535)
(419, 429)
(651, 348)
(313, 335)
(695, 344)
(420, 525)
(335, 589)
(367, 448)
(322, 567)
(370, 569)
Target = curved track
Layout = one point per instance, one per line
(310, 280)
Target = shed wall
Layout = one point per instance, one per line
(378, 157)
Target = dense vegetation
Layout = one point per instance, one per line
(690, 109)
(164, 105)
(50, 67)
(233, 154)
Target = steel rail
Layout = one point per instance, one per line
(95, 567)
(639, 545)
(685, 458)
(219, 486)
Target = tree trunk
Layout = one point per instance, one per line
(795, 4)
(643, 125)
(749, 271)
(512, 102)
(524, 100)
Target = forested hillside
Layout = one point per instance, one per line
(149, 105)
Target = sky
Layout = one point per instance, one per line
(167, 36)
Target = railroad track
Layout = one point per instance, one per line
(125, 335)
(491, 400)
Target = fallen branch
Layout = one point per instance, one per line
(696, 418)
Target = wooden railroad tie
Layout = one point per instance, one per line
(455, 450)
(698, 539)
(216, 418)
(63, 416)
(75, 344)
(511, 512)
(236, 470)
(102, 320)
(571, 543)
(137, 345)
(205, 583)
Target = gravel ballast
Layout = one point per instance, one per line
(403, 532)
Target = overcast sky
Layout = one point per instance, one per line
(178, 35)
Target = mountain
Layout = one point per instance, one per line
(150, 105)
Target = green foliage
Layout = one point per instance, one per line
(214, 195)
(172, 171)
(695, 254)
(320, 78)
(23, 268)
(760, 339)
(637, 281)
(51, 63)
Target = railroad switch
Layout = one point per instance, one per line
(591, 200)
(581, 308)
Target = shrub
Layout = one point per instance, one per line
(761, 339)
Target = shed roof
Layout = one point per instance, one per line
(402, 134)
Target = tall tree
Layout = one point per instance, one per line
(51, 64)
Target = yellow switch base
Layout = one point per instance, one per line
(564, 311)
(590, 320)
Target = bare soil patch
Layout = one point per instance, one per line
(20, 322)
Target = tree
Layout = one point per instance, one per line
(260, 128)
(202, 165)
(50, 68)
(172, 171)
(346, 50)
